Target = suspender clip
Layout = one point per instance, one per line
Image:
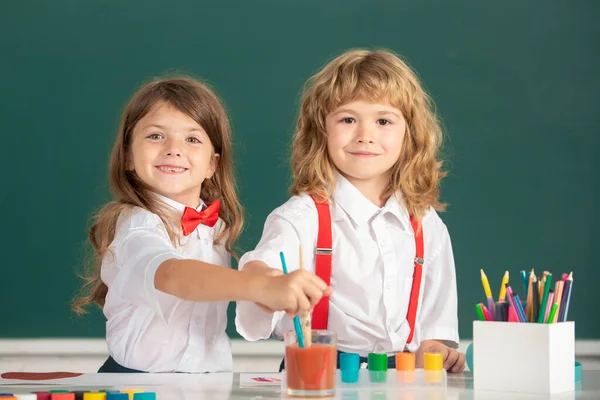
(324, 251)
(419, 261)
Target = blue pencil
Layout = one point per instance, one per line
(566, 299)
(297, 325)
(519, 308)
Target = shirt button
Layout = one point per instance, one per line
(206, 242)
(390, 285)
(379, 347)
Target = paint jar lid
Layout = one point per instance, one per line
(378, 362)
(433, 362)
(405, 361)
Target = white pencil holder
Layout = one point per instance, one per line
(524, 357)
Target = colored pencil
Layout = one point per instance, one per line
(566, 298)
(557, 299)
(552, 314)
(511, 301)
(529, 308)
(549, 305)
(547, 285)
(486, 284)
(502, 295)
(519, 308)
(486, 313)
(479, 311)
(525, 283)
(536, 300)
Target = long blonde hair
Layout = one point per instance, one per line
(373, 76)
(201, 104)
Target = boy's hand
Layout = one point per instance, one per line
(453, 360)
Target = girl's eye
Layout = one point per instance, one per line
(155, 136)
(383, 121)
(192, 139)
(348, 120)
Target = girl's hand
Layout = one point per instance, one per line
(295, 293)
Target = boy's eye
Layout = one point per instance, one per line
(383, 121)
(155, 136)
(348, 120)
(192, 139)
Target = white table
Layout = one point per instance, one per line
(227, 387)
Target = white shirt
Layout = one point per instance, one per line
(154, 331)
(372, 268)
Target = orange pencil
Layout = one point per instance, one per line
(557, 299)
(529, 311)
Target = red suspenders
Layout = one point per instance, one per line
(323, 264)
(323, 269)
(411, 315)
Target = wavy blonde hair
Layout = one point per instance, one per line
(374, 76)
(203, 106)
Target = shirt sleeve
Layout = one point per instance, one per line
(138, 252)
(284, 230)
(438, 316)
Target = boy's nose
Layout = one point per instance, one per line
(365, 135)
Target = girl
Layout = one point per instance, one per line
(365, 185)
(163, 246)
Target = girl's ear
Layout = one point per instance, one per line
(214, 162)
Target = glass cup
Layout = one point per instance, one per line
(310, 371)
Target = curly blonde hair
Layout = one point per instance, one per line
(374, 76)
(201, 104)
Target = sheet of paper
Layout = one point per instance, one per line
(260, 380)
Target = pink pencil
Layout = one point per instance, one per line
(549, 305)
(511, 302)
(486, 313)
(512, 315)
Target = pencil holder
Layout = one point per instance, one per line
(524, 357)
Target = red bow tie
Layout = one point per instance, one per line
(191, 218)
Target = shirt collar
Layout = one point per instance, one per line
(360, 209)
(395, 206)
(352, 201)
(178, 207)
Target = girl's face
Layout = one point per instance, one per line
(364, 141)
(172, 154)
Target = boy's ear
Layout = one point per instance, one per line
(214, 162)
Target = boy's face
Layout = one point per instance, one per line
(364, 141)
(172, 154)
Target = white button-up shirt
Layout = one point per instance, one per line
(150, 330)
(372, 270)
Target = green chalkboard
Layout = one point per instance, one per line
(515, 83)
